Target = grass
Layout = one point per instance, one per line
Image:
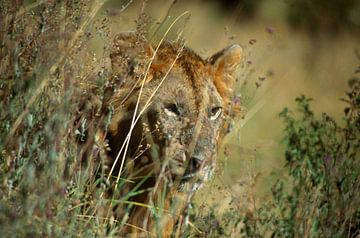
(52, 177)
(46, 185)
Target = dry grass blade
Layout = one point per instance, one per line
(137, 117)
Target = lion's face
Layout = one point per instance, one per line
(179, 131)
(186, 123)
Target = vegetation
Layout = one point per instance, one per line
(324, 168)
(51, 182)
(50, 109)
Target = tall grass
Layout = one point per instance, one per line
(52, 89)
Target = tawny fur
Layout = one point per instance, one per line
(185, 121)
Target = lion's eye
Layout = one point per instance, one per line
(215, 113)
(172, 110)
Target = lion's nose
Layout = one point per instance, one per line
(194, 166)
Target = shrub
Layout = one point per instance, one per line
(321, 198)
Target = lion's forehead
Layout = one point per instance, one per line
(192, 83)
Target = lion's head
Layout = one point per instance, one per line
(183, 100)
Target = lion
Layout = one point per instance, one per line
(171, 111)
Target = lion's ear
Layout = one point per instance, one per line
(129, 54)
(224, 64)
